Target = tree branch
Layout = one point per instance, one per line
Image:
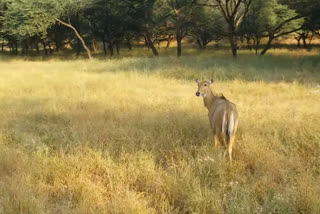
(287, 32)
(244, 14)
(287, 21)
(236, 8)
(223, 11)
(227, 8)
(77, 34)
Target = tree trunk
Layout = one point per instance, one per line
(10, 47)
(202, 43)
(78, 35)
(23, 46)
(146, 42)
(77, 26)
(104, 45)
(257, 45)
(267, 46)
(298, 40)
(50, 48)
(199, 44)
(16, 48)
(153, 48)
(110, 46)
(56, 42)
(94, 45)
(248, 42)
(304, 39)
(150, 43)
(179, 38)
(78, 47)
(233, 43)
(118, 48)
(205, 42)
(2, 47)
(129, 45)
(37, 48)
(44, 48)
(168, 41)
(311, 38)
(179, 49)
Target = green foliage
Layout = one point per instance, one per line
(31, 17)
(276, 14)
(207, 25)
(114, 22)
(270, 17)
(147, 16)
(24, 17)
(311, 10)
(180, 19)
(180, 13)
(2, 10)
(108, 19)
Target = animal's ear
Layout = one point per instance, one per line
(211, 81)
(197, 81)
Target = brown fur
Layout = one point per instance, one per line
(223, 117)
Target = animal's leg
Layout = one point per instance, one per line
(223, 146)
(230, 144)
(231, 140)
(224, 152)
(215, 141)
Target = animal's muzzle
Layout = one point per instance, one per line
(198, 94)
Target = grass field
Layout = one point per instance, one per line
(128, 135)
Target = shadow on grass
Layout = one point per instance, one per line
(216, 63)
(270, 68)
(219, 49)
(163, 134)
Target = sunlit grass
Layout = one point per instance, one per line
(128, 135)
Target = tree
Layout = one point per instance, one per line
(59, 35)
(269, 19)
(278, 20)
(12, 41)
(180, 18)
(310, 9)
(108, 21)
(207, 25)
(147, 16)
(234, 12)
(304, 34)
(34, 17)
(254, 24)
(2, 10)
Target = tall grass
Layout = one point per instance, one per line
(129, 135)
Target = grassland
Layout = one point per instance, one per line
(128, 135)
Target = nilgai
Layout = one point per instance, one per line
(223, 116)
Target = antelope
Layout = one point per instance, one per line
(223, 116)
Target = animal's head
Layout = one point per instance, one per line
(203, 87)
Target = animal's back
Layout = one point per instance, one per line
(223, 116)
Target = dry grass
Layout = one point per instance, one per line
(129, 136)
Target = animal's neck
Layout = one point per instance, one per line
(209, 99)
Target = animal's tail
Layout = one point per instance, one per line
(229, 126)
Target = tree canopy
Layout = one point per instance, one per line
(83, 24)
